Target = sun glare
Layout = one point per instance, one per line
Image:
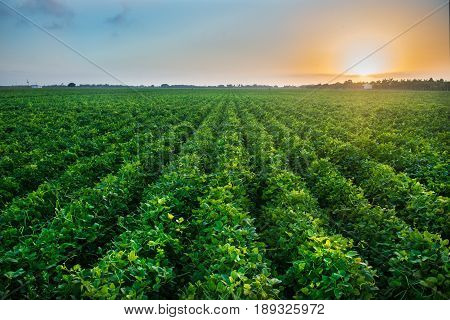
(367, 68)
(373, 65)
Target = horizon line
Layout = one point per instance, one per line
(236, 85)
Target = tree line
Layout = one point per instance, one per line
(408, 84)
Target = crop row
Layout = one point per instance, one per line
(409, 263)
(84, 226)
(192, 229)
(311, 263)
(419, 157)
(80, 134)
(419, 207)
(28, 214)
(222, 195)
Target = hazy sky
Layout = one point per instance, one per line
(221, 41)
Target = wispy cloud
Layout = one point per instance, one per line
(120, 18)
(59, 12)
(53, 8)
(55, 26)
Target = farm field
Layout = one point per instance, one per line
(224, 194)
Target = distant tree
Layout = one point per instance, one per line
(402, 84)
(71, 85)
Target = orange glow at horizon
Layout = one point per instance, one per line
(337, 44)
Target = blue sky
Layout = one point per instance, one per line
(217, 41)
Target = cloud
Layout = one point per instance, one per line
(56, 12)
(54, 26)
(120, 18)
(396, 75)
(54, 8)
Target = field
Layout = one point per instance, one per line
(224, 194)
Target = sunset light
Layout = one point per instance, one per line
(224, 159)
(372, 66)
(211, 42)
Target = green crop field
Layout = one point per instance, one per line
(224, 194)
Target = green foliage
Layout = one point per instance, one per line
(311, 263)
(422, 255)
(214, 194)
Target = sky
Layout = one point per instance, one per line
(209, 42)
